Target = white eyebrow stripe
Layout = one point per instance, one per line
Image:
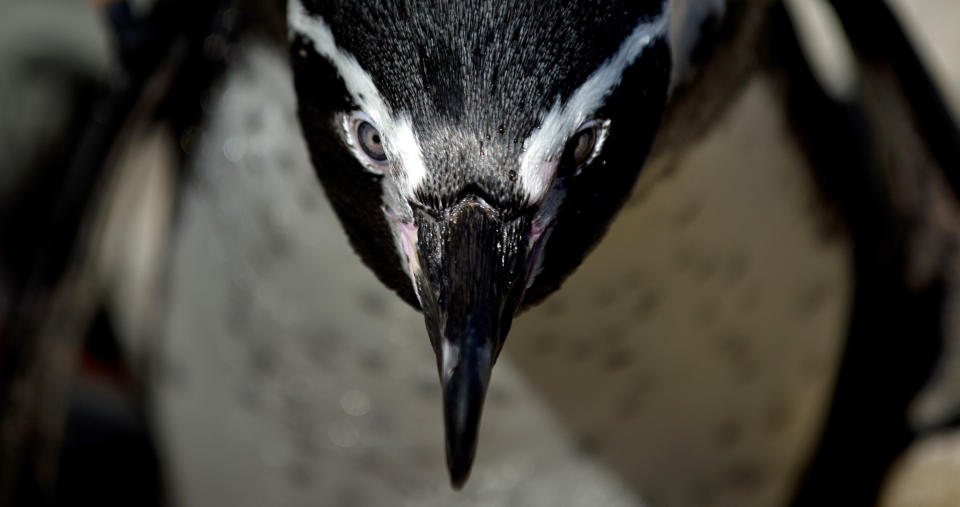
(546, 142)
(397, 131)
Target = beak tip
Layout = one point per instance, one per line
(463, 404)
(459, 465)
(459, 477)
(462, 424)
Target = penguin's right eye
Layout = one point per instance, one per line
(370, 141)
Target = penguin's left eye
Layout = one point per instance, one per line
(582, 144)
(580, 148)
(371, 142)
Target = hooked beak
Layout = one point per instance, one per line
(471, 260)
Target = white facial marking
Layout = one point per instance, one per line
(543, 148)
(399, 139)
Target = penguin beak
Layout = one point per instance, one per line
(472, 260)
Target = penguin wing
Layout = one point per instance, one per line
(886, 157)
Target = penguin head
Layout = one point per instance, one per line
(475, 152)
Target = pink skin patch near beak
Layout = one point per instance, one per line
(406, 234)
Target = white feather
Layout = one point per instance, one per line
(400, 141)
(543, 148)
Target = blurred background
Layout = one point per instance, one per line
(182, 321)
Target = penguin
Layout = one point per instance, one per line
(463, 153)
(475, 153)
(559, 164)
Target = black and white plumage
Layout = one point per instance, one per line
(478, 211)
(477, 116)
(482, 175)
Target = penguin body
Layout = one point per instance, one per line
(690, 359)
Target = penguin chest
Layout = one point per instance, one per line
(695, 348)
